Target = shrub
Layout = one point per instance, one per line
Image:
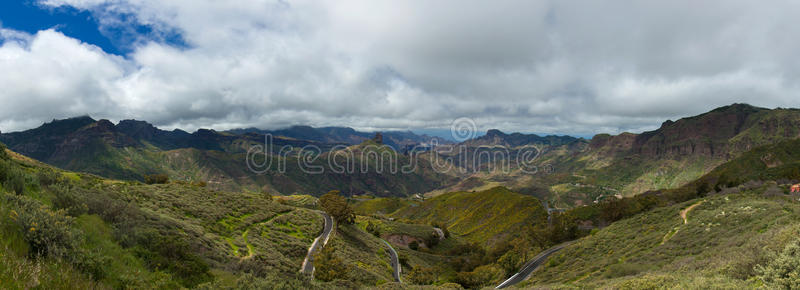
(3, 153)
(272, 281)
(403, 260)
(67, 199)
(480, 277)
(15, 181)
(48, 233)
(424, 275)
(432, 240)
(156, 179)
(328, 267)
(414, 245)
(267, 196)
(4, 168)
(173, 254)
(373, 229)
(48, 177)
(783, 270)
(622, 269)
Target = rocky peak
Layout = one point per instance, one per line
(137, 129)
(105, 125)
(495, 133)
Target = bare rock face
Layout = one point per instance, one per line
(721, 134)
(707, 134)
(609, 145)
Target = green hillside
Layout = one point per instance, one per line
(779, 161)
(366, 258)
(133, 149)
(61, 229)
(486, 216)
(380, 206)
(720, 244)
(670, 157)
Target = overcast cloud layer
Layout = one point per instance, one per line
(572, 67)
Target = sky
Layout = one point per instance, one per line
(560, 66)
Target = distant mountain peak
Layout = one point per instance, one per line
(494, 132)
(72, 122)
(105, 123)
(134, 122)
(737, 107)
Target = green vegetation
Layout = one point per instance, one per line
(783, 269)
(486, 216)
(80, 231)
(373, 229)
(779, 161)
(388, 228)
(327, 266)
(365, 257)
(156, 179)
(219, 159)
(725, 238)
(3, 153)
(488, 236)
(379, 206)
(336, 206)
(665, 208)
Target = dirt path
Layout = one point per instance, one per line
(688, 209)
(684, 213)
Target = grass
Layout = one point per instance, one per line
(148, 236)
(486, 217)
(725, 237)
(123, 268)
(379, 206)
(363, 254)
(388, 227)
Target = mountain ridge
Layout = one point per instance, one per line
(574, 170)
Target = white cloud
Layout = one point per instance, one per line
(49, 75)
(534, 66)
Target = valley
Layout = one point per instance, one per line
(392, 145)
(702, 201)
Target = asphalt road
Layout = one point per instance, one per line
(529, 267)
(395, 262)
(319, 242)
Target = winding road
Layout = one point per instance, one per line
(529, 267)
(395, 262)
(308, 263)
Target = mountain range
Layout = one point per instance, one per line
(570, 171)
(625, 211)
